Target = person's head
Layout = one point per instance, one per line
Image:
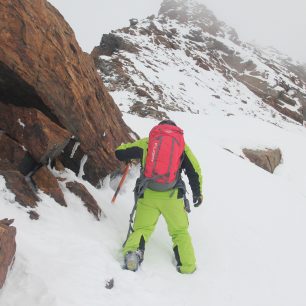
(167, 121)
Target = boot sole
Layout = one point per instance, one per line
(132, 266)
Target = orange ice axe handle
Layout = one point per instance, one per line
(125, 173)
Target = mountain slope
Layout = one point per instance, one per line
(184, 59)
(248, 234)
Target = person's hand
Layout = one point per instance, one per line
(197, 200)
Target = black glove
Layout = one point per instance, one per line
(197, 200)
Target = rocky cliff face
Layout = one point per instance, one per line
(7, 248)
(51, 96)
(185, 58)
(54, 109)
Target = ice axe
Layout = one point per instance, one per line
(125, 173)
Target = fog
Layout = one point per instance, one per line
(276, 23)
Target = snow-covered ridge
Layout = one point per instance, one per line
(184, 59)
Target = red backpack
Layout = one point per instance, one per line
(164, 158)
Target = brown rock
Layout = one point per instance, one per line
(237, 63)
(17, 155)
(81, 191)
(302, 99)
(45, 181)
(40, 56)
(7, 221)
(297, 116)
(7, 248)
(145, 111)
(18, 184)
(267, 159)
(112, 43)
(272, 97)
(58, 165)
(5, 165)
(43, 138)
(257, 85)
(287, 99)
(33, 215)
(202, 63)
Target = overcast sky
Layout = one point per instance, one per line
(278, 23)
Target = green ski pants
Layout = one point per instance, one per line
(148, 210)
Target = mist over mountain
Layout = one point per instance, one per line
(184, 58)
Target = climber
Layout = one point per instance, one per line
(160, 190)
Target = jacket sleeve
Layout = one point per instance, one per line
(193, 171)
(132, 150)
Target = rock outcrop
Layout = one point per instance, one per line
(267, 159)
(41, 137)
(7, 248)
(33, 215)
(208, 60)
(15, 154)
(48, 83)
(81, 191)
(19, 185)
(46, 182)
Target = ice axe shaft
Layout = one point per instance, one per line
(125, 173)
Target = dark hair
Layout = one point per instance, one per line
(167, 121)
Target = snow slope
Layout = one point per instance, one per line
(248, 235)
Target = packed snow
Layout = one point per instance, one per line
(21, 123)
(248, 234)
